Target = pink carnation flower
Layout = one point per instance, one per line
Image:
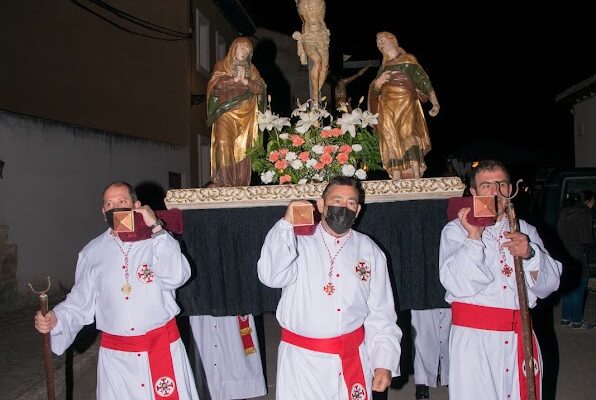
(281, 164)
(342, 158)
(327, 133)
(297, 140)
(346, 148)
(304, 156)
(326, 159)
(285, 179)
(274, 156)
(336, 132)
(328, 149)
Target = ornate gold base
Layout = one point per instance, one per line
(275, 195)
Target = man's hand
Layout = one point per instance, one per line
(148, 215)
(47, 323)
(518, 244)
(474, 232)
(381, 379)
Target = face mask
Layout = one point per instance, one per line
(110, 215)
(339, 219)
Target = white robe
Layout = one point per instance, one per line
(96, 295)
(230, 373)
(431, 340)
(300, 265)
(485, 362)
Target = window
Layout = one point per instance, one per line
(220, 46)
(202, 30)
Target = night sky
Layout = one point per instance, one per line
(496, 69)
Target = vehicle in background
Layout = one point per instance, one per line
(553, 188)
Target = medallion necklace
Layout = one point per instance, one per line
(506, 269)
(329, 288)
(126, 288)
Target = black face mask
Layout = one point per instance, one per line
(110, 215)
(339, 219)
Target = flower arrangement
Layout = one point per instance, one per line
(316, 147)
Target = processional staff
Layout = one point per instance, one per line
(47, 349)
(522, 294)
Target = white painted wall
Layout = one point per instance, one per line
(54, 176)
(584, 115)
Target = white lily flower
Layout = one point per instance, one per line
(343, 106)
(306, 121)
(323, 113)
(265, 120)
(348, 124)
(357, 116)
(369, 119)
(280, 122)
(302, 108)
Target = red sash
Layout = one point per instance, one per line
(157, 344)
(245, 334)
(503, 320)
(346, 346)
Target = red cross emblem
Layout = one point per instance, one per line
(507, 271)
(357, 392)
(363, 271)
(145, 274)
(165, 386)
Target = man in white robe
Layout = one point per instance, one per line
(340, 339)
(477, 270)
(128, 288)
(431, 343)
(232, 362)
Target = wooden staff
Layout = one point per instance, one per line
(47, 349)
(522, 294)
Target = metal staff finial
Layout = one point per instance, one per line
(514, 194)
(43, 292)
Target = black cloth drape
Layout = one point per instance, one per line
(224, 245)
